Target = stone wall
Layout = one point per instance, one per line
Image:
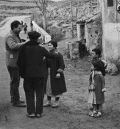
(93, 34)
(111, 30)
(73, 50)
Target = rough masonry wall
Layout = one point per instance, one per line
(111, 33)
(94, 34)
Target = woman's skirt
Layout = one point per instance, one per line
(48, 87)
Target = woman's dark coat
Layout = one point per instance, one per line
(58, 85)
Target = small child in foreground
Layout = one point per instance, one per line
(97, 84)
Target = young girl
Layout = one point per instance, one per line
(97, 84)
(56, 81)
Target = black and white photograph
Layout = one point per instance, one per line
(59, 64)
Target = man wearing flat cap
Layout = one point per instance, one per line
(33, 69)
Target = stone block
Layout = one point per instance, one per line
(73, 50)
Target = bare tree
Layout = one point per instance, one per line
(42, 6)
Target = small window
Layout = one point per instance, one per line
(109, 3)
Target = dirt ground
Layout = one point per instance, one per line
(73, 110)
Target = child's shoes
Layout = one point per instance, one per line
(55, 104)
(47, 104)
(98, 114)
(92, 113)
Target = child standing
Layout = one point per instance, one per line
(97, 84)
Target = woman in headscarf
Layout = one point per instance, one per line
(56, 82)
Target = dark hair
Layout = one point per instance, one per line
(97, 51)
(34, 35)
(15, 24)
(54, 43)
(99, 66)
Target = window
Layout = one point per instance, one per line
(109, 3)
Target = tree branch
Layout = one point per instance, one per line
(38, 5)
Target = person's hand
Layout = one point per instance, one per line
(44, 58)
(40, 40)
(27, 40)
(60, 70)
(56, 51)
(23, 40)
(58, 75)
(104, 90)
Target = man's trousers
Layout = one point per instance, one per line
(14, 83)
(34, 92)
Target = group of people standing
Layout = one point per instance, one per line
(42, 70)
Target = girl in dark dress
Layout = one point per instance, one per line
(97, 83)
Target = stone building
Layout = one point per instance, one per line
(89, 26)
(111, 28)
(105, 33)
(102, 27)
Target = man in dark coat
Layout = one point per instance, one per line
(33, 70)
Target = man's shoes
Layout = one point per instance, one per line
(19, 104)
(47, 104)
(38, 115)
(32, 115)
(55, 104)
(21, 101)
